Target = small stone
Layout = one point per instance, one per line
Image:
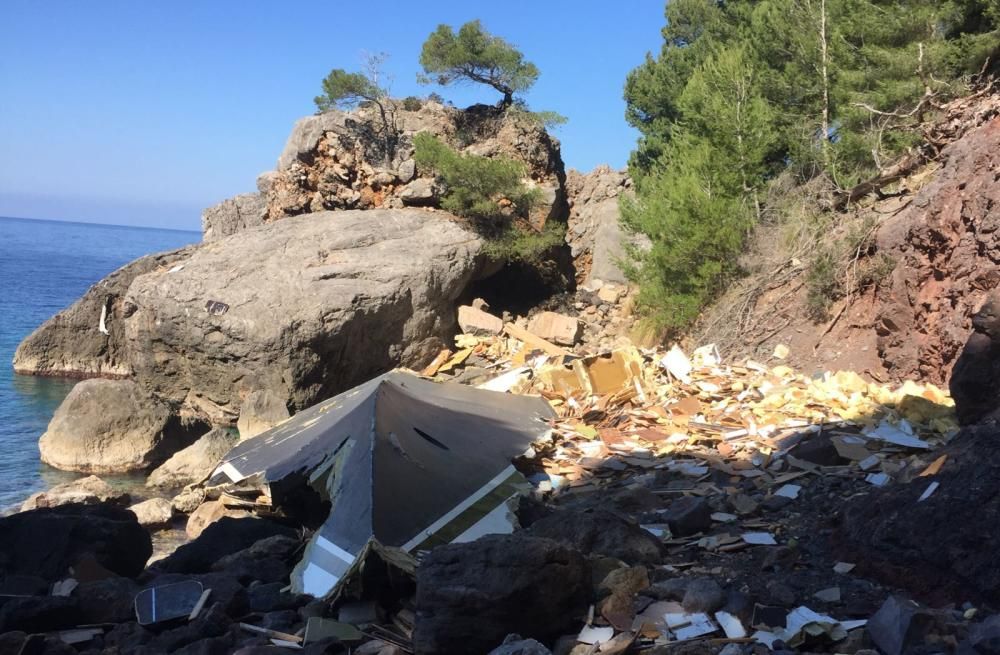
(610, 293)
(688, 515)
(477, 322)
(557, 328)
(188, 500)
(703, 595)
(153, 513)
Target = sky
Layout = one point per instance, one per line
(145, 113)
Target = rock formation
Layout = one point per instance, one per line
(305, 308)
(595, 234)
(87, 339)
(336, 160)
(111, 426)
(194, 463)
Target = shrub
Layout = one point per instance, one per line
(478, 188)
(412, 103)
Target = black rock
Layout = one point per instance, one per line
(600, 532)
(268, 597)
(688, 515)
(111, 600)
(212, 622)
(818, 449)
(224, 537)
(703, 595)
(45, 543)
(897, 625)
(39, 613)
(516, 645)
(470, 596)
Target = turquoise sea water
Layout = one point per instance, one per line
(44, 267)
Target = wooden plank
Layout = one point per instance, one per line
(535, 341)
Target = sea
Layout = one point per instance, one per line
(44, 267)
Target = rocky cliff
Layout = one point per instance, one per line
(340, 160)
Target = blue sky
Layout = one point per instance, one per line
(144, 113)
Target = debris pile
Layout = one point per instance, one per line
(556, 501)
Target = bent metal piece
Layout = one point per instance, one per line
(408, 462)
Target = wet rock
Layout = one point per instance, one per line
(471, 595)
(703, 595)
(688, 515)
(208, 513)
(194, 463)
(90, 490)
(261, 411)
(153, 513)
(600, 532)
(224, 537)
(47, 542)
(111, 426)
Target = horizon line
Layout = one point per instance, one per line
(92, 224)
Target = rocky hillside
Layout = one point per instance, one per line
(923, 256)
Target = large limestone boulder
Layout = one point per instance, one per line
(194, 463)
(261, 411)
(87, 339)
(233, 215)
(110, 426)
(305, 308)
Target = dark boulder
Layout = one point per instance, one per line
(268, 560)
(47, 542)
(223, 537)
(936, 548)
(39, 613)
(975, 379)
(470, 596)
(111, 600)
(600, 532)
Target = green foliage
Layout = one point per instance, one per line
(744, 90)
(822, 284)
(548, 120)
(343, 90)
(474, 55)
(412, 103)
(490, 193)
(475, 186)
(525, 245)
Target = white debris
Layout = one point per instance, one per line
(677, 364)
(591, 635)
(723, 517)
(869, 462)
(802, 622)
(766, 638)
(731, 625)
(689, 626)
(789, 491)
(828, 595)
(877, 479)
(759, 538)
(931, 488)
(901, 435)
(843, 567)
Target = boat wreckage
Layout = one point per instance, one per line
(401, 461)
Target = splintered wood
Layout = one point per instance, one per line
(632, 410)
